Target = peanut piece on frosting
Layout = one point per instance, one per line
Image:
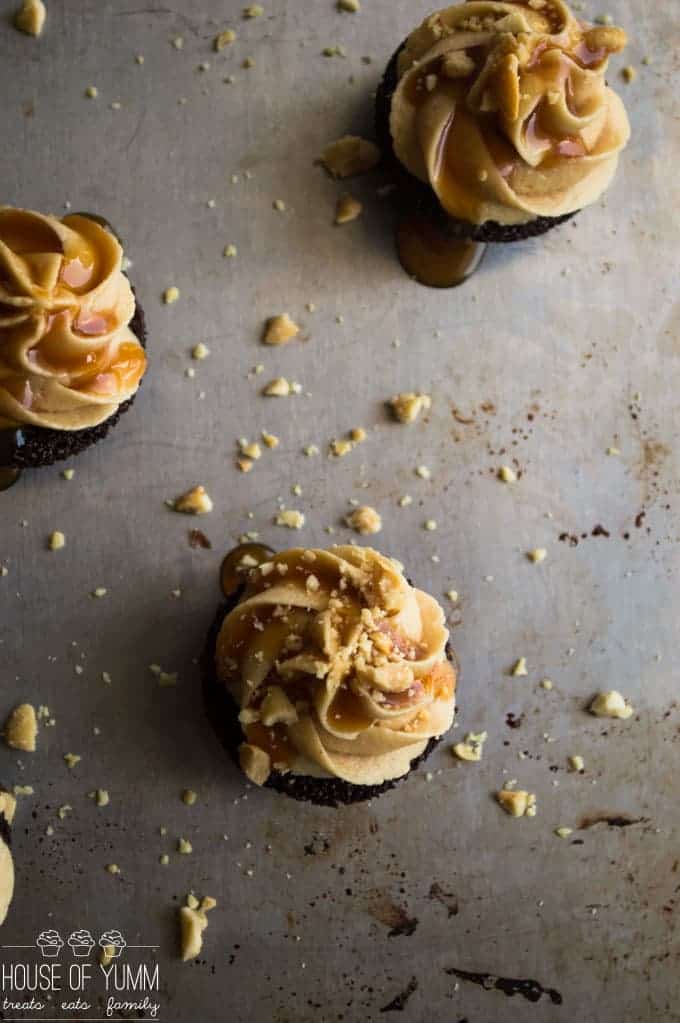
(276, 708)
(610, 705)
(457, 64)
(255, 763)
(194, 502)
(21, 728)
(350, 155)
(364, 520)
(30, 18)
(517, 802)
(407, 406)
(347, 209)
(279, 330)
(193, 921)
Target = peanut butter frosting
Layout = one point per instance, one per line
(68, 358)
(338, 665)
(503, 108)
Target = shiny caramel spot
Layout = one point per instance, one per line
(431, 257)
(232, 574)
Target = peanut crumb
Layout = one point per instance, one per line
(471, 748)
(351, 6)
(537, 555)
(56, 541)
(347, 209)
(251, 449)
(350, 155)
(290, 518)
(452, 595)
(517, 802)
(279, 205)
(194, 502)
(193, 922)
(407, 406)
(270, 440)
(507, 475)
(576, 763)
(224, 39)
(112, 868)
(563, 832)
(364, 520)
(278, 388)
(230, 251)
(92, 92)
(423, 472)
(170, 295)
(21, 728)
(279, 330)
(184, 847)
(519, 667)
(30, 18)
(200, 351)
(255, 763)
(629, 73)
(547, 684)
(189, 797)
(253, 11)
(611, 704)
(71, 759)
(244, 464)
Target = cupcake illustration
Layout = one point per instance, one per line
(50, 944)
(113, 942)
(81, 943)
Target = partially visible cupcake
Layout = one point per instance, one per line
(7, 807)
(499, 119)
(71, 336)
(328, 675)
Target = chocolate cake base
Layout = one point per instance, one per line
(32, 447)
(223, 712)
(414, 196)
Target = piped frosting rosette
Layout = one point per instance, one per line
(68, 358)
(338, 665)
(503, 108)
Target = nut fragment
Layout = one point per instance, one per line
(517, 802)
(255, 763)
(279, 330)
(352, 6)
(537, 555)
(519, 667)
(253, 11)
(629, 73)
(610, 704)
(364, 520)
(30, 18)
(290, 518)
(350, 155)
(194, 502)
(276, 708)
(170, 295)
(278, 388)
(21, 728)
(224, 39)
(193, 921)
(347, 209)
(563, 832)
(576, 763)
(56, 540)
(407, 406)
(507, 475)
(471, 748)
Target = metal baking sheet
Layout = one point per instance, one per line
(556, 350)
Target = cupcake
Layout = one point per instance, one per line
(81, 943)
(113, 943)
(499, 125)
(327, 675)
(71, 337)
(50, 943)
(7, 807)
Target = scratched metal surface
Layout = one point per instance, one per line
(539, 357)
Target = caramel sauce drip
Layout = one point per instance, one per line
(273, 740)
(431, 257)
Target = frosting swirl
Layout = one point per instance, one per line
(503, 108)
(338, 666)
(68, 358)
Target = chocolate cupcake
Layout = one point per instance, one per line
(7, 807)
(498, 123)
(71, 337)
(326, 674)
